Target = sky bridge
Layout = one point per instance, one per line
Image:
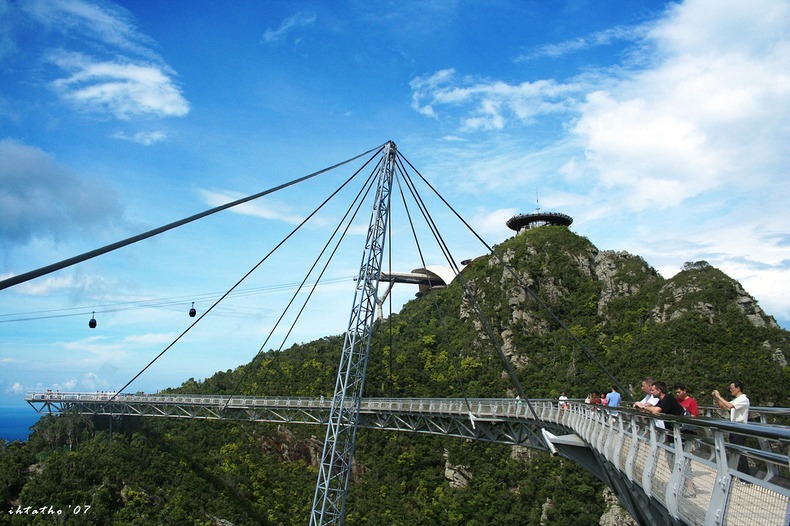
(660, 476)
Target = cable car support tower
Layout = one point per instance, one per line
(335, 468)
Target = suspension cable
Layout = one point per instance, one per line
(469, 294)
(477, 308)
(27, 276)
(360, 197)
(281, 243)
(521, 282)
(435, 303)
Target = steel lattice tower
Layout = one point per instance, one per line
(335, 469)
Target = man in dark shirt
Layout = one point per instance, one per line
(667, 403)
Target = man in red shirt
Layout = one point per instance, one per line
(688, 403)
(692, 408)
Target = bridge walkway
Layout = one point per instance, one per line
(661, 475)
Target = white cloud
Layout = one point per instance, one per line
(709, 105)
(67, 385)
(494, 104)
(122, 75)
(600, 38)
(265, 208)
(144, 138)
(150, 338)
(10, 360)
(711, 110)
(289, 25)
(7, 43)
(121, 88)
(492, 224)
(685, 145)
(39, 197)
(426, 88)
(104, 23)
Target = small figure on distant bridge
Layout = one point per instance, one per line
(692, 410)
(739, 412)
(613, 398)
(563, 401)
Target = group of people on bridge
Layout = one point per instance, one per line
(658, 400)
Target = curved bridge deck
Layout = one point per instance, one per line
(662, 476)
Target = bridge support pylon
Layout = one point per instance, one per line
(338, 453)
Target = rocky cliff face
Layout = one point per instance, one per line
(621, 275)
(618, 305)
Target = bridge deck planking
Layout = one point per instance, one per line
(629, 443)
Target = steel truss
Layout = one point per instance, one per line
(338, 453)
(494, 420)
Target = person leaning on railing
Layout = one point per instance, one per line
(667, 403)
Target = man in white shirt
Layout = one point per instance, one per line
(739, 412)
(650, 399)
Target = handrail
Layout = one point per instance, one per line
(686, 479)
(752, 429)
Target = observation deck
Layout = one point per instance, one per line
(522, 222)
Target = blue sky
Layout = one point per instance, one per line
(661, 127)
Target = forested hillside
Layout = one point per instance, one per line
(699, 327)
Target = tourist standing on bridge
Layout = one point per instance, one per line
(647, 388)
(692, 409)
(739, 412)
(667, 403)
(613, 398)
(688, 403)
(613, 401)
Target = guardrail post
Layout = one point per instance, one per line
(631, 459)
(647, 474)
(674, 490)
(615, 441)
(765, 446)
(718, 499)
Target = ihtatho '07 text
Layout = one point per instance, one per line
(47, 510)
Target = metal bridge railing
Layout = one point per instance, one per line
(695, 478)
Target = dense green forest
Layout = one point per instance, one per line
(699, 327)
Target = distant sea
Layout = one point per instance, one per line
(15, 422)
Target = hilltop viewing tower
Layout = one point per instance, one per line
(522, 222)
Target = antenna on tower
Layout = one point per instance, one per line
(537, 201)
